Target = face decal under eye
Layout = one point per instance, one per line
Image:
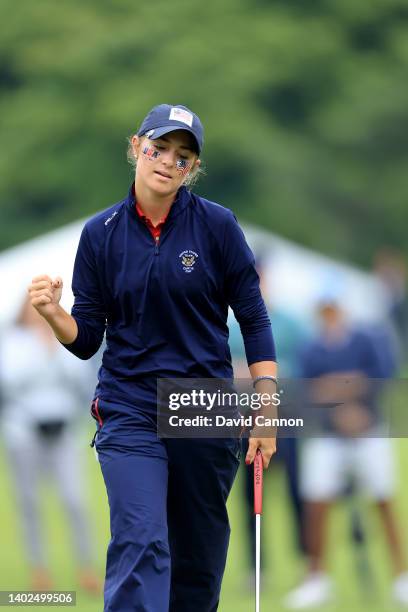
(183, 166)
(150, 152)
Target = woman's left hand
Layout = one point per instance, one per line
(267, 447)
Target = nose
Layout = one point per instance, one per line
(168, 157)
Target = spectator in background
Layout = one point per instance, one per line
(42, 388)
(290, 338)
(352, 444)
(390, 269)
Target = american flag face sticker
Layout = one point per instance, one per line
(150, 152)
(183, 166)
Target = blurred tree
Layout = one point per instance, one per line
(305, 106)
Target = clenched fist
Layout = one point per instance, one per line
(45, 294)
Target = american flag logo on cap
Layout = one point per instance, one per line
(182, 115)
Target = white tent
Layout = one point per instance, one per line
(297, 276)
(52, 253)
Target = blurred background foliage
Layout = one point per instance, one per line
(305, 106)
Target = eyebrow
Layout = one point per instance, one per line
(180, 147)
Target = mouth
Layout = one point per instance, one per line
(163, 174)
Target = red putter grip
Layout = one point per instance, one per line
(258, 482)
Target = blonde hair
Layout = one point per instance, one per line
(189, 181)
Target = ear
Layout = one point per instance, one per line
(195, 167)
(136, 142)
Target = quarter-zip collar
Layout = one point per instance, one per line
(182, 199)
(155, 230)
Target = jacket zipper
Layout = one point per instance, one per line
(92, 444)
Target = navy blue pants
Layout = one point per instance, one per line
(169, 523)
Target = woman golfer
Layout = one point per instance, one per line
(157, 272)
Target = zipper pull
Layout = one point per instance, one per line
(156, 246)
(92, 444)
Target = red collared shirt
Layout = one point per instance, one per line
(155, 230)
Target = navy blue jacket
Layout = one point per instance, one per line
(360, 351)
(164, 304)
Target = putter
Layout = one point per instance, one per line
(258, 485)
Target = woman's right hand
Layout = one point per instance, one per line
(45, 294)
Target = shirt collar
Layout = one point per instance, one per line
(147, 219)
(182, 199)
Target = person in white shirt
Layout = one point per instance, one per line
(43, 388)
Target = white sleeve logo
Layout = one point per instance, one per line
(179, 114)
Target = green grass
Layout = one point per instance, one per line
(283, 566)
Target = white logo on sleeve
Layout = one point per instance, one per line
(179, 114)
(111, 217)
